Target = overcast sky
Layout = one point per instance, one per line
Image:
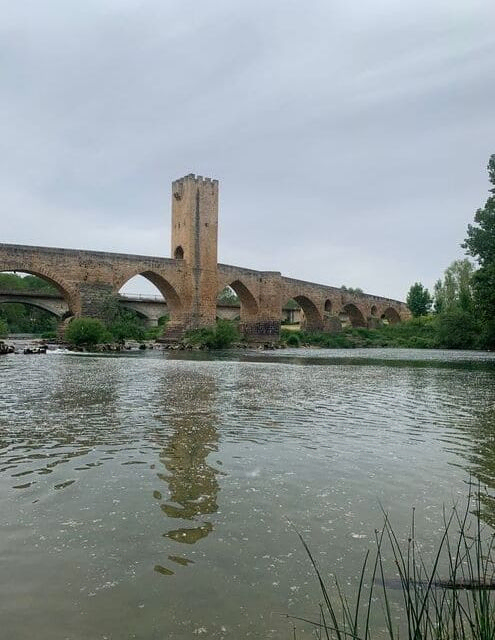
(350, 139)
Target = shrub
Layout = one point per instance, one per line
(219, 337)
(293, 340)
(86, 332)
(457, 329)
(153, 333)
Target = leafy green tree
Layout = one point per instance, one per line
(480, 244)
(457, 329)
(419, 300)
(85, 332)
(455, 291)
(127, 326)
(15, 281)
(228, 296)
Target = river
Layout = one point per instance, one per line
(156, 496)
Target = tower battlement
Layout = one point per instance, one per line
(179, 185)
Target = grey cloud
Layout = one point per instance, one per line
(350, 141)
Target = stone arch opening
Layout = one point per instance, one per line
(38, 280)
(228, 305)
(248, 305)
(328, 306)
(373, 310)
(179, 253)
(391, 315)
(306, 311)
(151, 287)
(20, 307)
(354, 315)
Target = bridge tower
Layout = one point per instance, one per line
(195, 242)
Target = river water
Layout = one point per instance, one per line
(155, 496)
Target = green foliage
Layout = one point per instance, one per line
(291, 304)
(86, 332)
(419, 300)
(455, 291)
(4, 329)
(220, 336)
(153, 333)
(293, 340)
(416, 333)
(457, 329)
(228, 296)
(480, 244)
(21, 318)
(122, 324)
(16, 282)
(126, 325)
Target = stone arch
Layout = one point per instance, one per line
(168, 291)
(328, 306)
(33, 303)
(356, 317)
(373, 310)
(179, 253)
(249, 305)
(391, 315)
(313, 318)
(67, 292)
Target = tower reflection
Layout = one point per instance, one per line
(192, 483)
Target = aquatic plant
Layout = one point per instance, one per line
(448, 597)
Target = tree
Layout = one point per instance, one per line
(228, 296)
(480, 244)
(85, 332)
(455, 291)
(419, 300)
(457, 329)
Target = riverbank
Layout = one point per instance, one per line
(424, 332)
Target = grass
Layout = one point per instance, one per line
(446, 597)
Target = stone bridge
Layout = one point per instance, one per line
(191, 280)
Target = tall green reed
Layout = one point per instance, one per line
(448, 595)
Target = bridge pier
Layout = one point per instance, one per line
(260, 331)
(95, 298)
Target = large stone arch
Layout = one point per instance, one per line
(313, 317)
(249, 304)
(391, 315)
(168, 291)
(355, 315)
(70, 295)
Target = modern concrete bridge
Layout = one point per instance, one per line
(191, 280)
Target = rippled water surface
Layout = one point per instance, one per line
(152, 496)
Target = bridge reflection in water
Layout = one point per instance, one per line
(192, 482)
